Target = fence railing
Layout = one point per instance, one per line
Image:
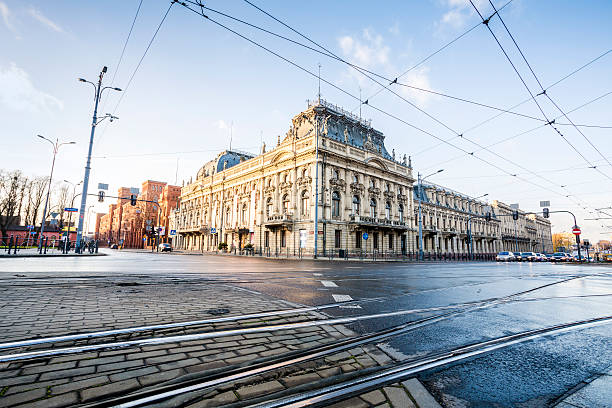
(12, 245)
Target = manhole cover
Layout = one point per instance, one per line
(218, 312)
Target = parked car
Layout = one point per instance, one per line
(528, 256)
(505, 256)
(559, 257)
(517, 256)
(539, 257)
(165, 247)
(114, 246)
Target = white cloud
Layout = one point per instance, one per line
(460, 11)
(19, 93)
(7, 17)
(38, 15)
(371, 52)
(367, 51)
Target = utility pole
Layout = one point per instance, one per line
(98, 92)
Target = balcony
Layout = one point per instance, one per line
(377, 222)
(278, 220)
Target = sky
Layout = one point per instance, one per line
(201, 87)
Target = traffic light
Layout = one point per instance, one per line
(133, 199)
(100, 196)
(546, 212)
(515, 215)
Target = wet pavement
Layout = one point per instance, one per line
(515, 297)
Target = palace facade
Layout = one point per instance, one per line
(332, 167)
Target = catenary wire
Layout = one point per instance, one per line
(549, 122)
(542, 87)
(357, 98)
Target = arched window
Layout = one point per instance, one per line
(286, 204)
(244, 213)
(335, 204)
(335, 174)
(388, 210)
(355, 178)
(401, 212)
(356, 205)
(305, 173)
(268, 206)
(372, 208)
(372, 183)
(305, 202)
(388, 188)
(228, 214)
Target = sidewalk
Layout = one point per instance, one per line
(33, 253)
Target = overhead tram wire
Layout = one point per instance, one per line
(542, 87)
(127, 39)
(314, 75)
(514, 136)
(330, 54)
(549, 122)
(369, 77)
(142, 58)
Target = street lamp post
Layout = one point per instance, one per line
(74, 186)
(470, 228)
(56, 147)
(420, 181)
(98, 92)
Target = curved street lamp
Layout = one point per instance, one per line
(56, 145)
(98, 89)
(420, 181)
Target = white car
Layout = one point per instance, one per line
(505, 256)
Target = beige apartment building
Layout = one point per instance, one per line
(331, 166)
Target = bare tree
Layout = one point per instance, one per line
(62, 200)
(9, 199)
(37, 197)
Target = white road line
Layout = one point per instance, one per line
(317, 274)
(342, 298)
(329, 284)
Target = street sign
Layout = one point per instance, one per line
(576, 230)
(212, 231)
(134, 190)
(70, 209)
(102, 186)
(365, 236)
(172, 232)
(54, 214)
(30, 227)
(544, 203)
(514, 206)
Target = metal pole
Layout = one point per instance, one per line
(42, 227)
(88, 165)
(316, 226)
(471, 247)
(420, 218)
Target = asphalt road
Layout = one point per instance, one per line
(530, 374)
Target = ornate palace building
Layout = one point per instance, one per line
(331, 166)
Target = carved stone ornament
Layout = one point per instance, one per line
(357, 188)
(337, 182)
(374, 191)
(303, 181)
(269, 189)
(285, 185)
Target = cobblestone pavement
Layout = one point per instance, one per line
(34, 306)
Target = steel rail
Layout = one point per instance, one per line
(208, 335)
(347, 389)
(260, 329)
(164, 392)
(106, 333)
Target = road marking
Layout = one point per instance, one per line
(342, 298)
(329, 284)
(350, 307)
(317, 274)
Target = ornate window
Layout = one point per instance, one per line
(355, 178)
(401, 212)
(356, 205)
(268, 206)
(335, 174)
(373, 208)
(286, 204)
(335, 204)
(244, 213)
(304, 202)
(305, 173)
(388, 210)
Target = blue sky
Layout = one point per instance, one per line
(198, 81)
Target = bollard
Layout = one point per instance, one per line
(10, 245)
